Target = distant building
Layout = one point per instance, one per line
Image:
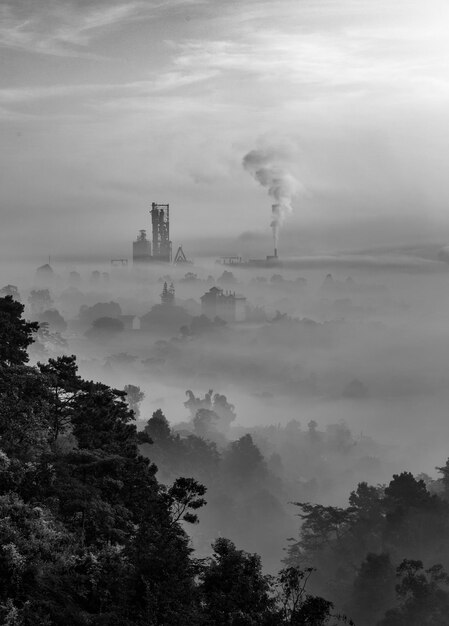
(130, 322)
(226, 305)
(45, 274)
(141, 248)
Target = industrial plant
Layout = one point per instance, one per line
(159, 250)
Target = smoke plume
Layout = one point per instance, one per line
(266, 167)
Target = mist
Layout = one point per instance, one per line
(261, 378)
(356, 349)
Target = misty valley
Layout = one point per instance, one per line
(285, 463)
(224, 305)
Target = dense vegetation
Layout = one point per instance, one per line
(378, 559)
(87, 533)
(372, 552)
(89, 536)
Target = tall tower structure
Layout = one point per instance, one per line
(160, 221)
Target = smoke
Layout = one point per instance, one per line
(266, 167)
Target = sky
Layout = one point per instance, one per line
(108, 106)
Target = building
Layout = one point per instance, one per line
(160, 222)
(226, 305)
(141, 248)
(45, 275)
(159, 250)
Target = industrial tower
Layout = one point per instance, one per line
(160, 221)
(141, 248)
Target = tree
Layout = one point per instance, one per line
(193, 403)
(46, 341)
(224, 410)
(414, 517)
(227, 278)
(24, 411)
(54, 319)
(158, 428)
(233, 589)
(204, 422)
(102, 420)
(183, 497)
(312, 432)
(88, 314)
(63, 385)
(373, 588)
(10, 290)
(40, 300)
(404, 491)
(15, 333)
(168, 294)
(33, 546)
(105, 327)
(297, 606)
(243, 460)
(423, 596)
(325, 525)
(445, 479)
(201, 324)
(134, 396)
(87, 534)
(211, 410)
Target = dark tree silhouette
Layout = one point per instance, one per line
(15, 333)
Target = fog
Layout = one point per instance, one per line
(298, 357)
(358, 348)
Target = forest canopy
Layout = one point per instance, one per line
(90, 536)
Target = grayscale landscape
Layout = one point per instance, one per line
(224, 305)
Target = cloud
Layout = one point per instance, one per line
(63, 29)
(140, 95)
(187, 88)
(313, 64)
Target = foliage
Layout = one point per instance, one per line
(423, 595)
(157, 427)
(88, 536)
(15, 332)
(134, 396)
(209, 413)
(103, 327)
(233, 589)
(297, 606)
(359, 546)
(54, 319)
(40, 300)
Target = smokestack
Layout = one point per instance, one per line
(266, 166)
(275, 253)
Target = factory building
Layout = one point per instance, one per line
(226, 305)
(159, 250)
(160, 221)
